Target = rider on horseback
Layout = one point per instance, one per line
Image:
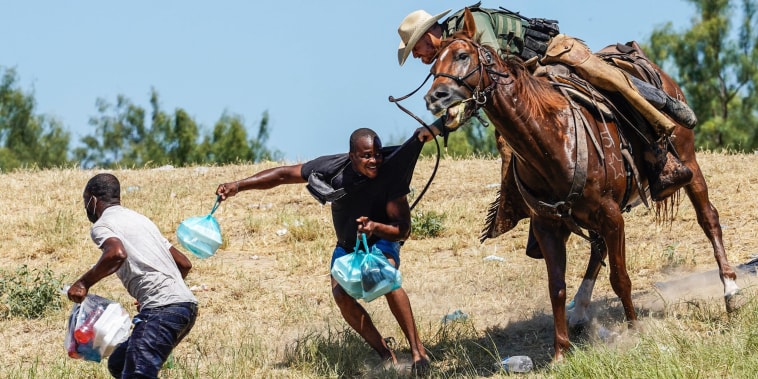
(537, 42)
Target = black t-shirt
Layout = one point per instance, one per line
(363, 196)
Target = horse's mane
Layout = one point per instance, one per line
(540, 98)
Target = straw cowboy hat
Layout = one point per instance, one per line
(412, 28)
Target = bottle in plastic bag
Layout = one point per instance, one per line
(96, 326)
(86, 331)
(517, 363)
(371, 275)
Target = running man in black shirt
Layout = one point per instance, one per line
(368, 194)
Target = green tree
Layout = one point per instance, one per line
(229, 141)
(170, 139)
(27, 139)
(119, 129)
(716, 63)
(122, 138)
(186, 134)
(258, 144)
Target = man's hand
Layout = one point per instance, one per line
(424, 135)
(77, 292)
(365, 226)
(227, 190)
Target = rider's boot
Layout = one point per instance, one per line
(666, 173)
(680, 112)
(674, 108)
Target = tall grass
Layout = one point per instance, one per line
(266, 309)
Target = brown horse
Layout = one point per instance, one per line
(571, 165)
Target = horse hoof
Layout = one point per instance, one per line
(734, 301)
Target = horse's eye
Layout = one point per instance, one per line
(462, 56)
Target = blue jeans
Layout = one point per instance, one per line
(156, 332)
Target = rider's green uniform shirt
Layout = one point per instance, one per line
(512, 30)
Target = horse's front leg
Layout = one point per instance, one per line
(551, 237)
(578, 310)
(612, 230)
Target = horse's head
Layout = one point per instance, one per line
(460, 83)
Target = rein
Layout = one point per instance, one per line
(444, 131)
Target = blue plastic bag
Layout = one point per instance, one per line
(366, 273)
(201, 235)
(347, 272)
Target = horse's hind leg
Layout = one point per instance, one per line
(708, 218)
(578, 309)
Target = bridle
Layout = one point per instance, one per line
(479, 94)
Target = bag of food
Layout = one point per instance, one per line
(378, 276)
(366, 273)
(201, 235)
(347, 272)
(95, 327)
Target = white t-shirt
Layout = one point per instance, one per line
(149, 273)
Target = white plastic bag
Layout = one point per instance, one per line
(95, 328)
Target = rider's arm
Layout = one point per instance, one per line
(485, 35)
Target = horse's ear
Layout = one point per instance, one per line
(469, 25)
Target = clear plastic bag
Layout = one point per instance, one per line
(366, 273)
(201, 235)
(95, 327)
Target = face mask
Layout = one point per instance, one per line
(91, 216)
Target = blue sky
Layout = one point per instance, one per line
(320, 68)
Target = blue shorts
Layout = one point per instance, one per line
(387, 247)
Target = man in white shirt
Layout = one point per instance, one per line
(151, 269)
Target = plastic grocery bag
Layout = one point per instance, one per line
(95, 327)
(366, 273)
(378, 276)
(347, 272)
(202, 234)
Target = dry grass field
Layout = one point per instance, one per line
(266, 291)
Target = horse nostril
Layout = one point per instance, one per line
(440, 95)
(437, 95)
